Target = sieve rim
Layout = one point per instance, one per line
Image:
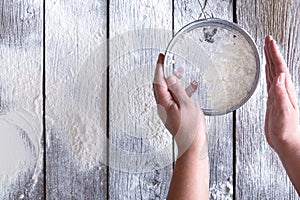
(228, 25)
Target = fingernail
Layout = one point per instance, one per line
(271, 37)
(160, 58)
(179, 72)
(272, 42)
(194, 85)
(281, 78)
(171, 80)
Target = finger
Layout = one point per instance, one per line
(179, 72)
(270, 73)
(177, 90)
(269, 63)
(277, 59)
(281, 67)
(267, 78)
(159, 73)
(271, 69)
(280, 91)
(160, 88)
(291, 91)
(191, 89)
(271, 95)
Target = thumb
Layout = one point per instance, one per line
(177, 90)
(281, 94)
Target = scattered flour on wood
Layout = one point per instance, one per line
(77, 107)
(133, 114)
(79, 103)
(20, 121)
(20, 103)
(222, 191)
(20, 153)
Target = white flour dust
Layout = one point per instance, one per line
(79, 103)
(20, 101)
(222, 191)
(77, 106)
(13, 154)
(235, 63)
(133, 107)
(20, 155)
(20, 134)
(133, 114)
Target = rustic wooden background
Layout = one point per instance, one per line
(60, 35)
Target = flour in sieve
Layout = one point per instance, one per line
(221, 60)
(236, 65)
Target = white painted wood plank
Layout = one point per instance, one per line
(21, 150)
(140, 148)
(76, 99)
(219, 128)
(260, 174)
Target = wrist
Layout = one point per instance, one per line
(288, 148)
(197, 147)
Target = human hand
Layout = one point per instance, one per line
(184, 119)
(281, 123)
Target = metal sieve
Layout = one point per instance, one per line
(223, 59)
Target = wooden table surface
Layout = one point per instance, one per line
(99, 134)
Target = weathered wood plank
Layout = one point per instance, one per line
(260, 174)
(76, 99)
(140, 155)
(219, 128)
(21, 150)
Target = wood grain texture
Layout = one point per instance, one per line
(219, 128)
(260, 174)
(140, 150)
(21, 95)
(140, 155)
(76, 99)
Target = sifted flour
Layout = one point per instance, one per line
(20, 154)
(79, 104)
(20, 99)
(222, 191)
